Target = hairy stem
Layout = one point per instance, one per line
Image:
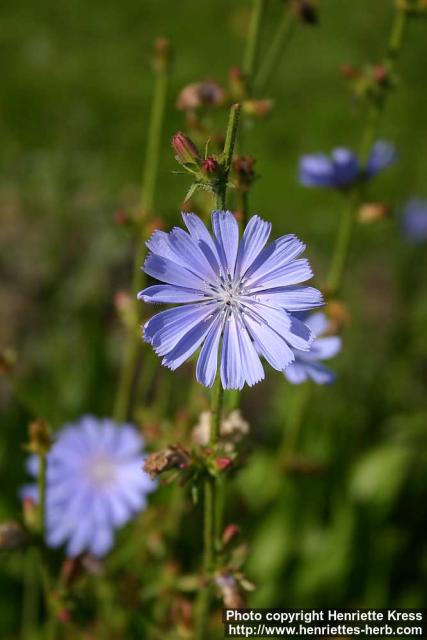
(211, 507)
(148, 193)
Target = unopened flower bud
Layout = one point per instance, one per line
(12, 536)
(223, 463)
(237, 81)
(7, 361)
(210, 166)
(372, 212)
(257, 108)
(339, 316)
(380, 74)
(121, 217)
(40, 438)
(243, 168)
(30, 514)
(126, 308)
(64, 615)
(162, 54)
(230, 532)
(412, 6)
(350, 71)
(306, 10)
(186, 151)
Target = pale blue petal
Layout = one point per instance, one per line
(226, 231)
(383, 155)
(167, 293)
(269, 343)
(165, 329)
(319, 373)
(318, 323)
(188, 344)
(278, 254)
(165, 270)
(296, 373)
(253, 241)
(299, 336)
(195, 260)
(201, 235)
(81, 537)
(102, 541)
(327, 347)
(295, 272)
(207, 362)
(231, 363)
(251, 364)
(292, 298)
(346, 167)
(316, 170)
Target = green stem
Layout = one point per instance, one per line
(275, 52)
(211, 507)
(227, 156)
(210, 488)
(343, 238)
(30, 595)
(252, 47)
(149, 181)
(341, 249)
(342, 243)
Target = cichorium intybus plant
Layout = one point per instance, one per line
(237, 303)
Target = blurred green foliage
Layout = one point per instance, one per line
(77, 86)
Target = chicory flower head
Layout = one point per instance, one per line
(342, 168)
(95, 483)
(308, 364)
(414, 221)
(237, 298)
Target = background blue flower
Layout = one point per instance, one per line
(95, 484)
(241, 293)
(342, 168)
(308, 364)
(414, 220)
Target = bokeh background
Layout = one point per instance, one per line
(347, 527)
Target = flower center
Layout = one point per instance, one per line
(101, 470)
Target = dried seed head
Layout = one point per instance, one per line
(173, 457)
(201, 94)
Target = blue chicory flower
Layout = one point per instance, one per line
(94, 484)
(414, 221)
(308, 365)
(342, 168)
(242, 293)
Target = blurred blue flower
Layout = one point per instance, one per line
(414, 220)
(94, 484)
(307, 365)
(242, 292)
(342, 168)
